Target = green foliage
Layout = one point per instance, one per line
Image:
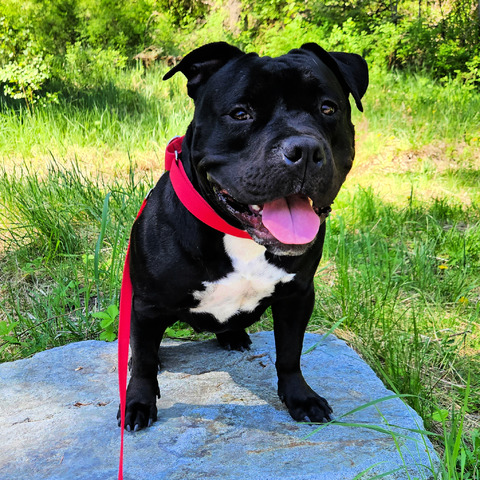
(402, 283)
(25, 80)
(212, 31)
(38, 39)
(462, 452)
(441, 48)
(116, 24)
(162, 32)
(79, 42)
(184, 12)
(54, 24)
(109, 322)
(7, 334)
(179, 330)
(85, 68)
(270, 12)
(72, 281)
(24, 67)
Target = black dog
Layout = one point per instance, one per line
(269, 147)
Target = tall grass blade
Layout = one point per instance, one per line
(98, 246)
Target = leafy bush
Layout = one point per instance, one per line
(24, 81)
(437, 48)
(214, 30)
(24, 66)
(114, 24)
(84, 67)
(163, 33)
(183, 12)
(81, 42)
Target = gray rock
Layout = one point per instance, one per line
(219, 418)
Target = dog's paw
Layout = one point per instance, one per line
(138, 416)
(234, 340)
(141, 405)
(303, 403)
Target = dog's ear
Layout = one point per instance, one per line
(350, 69)
(200, 64)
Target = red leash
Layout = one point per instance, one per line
(124, 341)
(198, 207)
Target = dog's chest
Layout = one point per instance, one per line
(253, 278)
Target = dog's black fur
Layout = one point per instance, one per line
(263, 128)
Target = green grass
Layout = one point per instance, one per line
(64, 237)
(400, 277)
(418, 111)
(136, 113)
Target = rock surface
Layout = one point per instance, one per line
(219, 418)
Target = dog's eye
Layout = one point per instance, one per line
(328, 108)
(240, 114)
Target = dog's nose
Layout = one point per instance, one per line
(302, 149)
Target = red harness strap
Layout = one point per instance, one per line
(189, 197)
(198, 207)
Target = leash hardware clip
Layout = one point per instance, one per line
(148, 194)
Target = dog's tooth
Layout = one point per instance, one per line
(256, 208)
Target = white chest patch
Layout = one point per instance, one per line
(253, 278)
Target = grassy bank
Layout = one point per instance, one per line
(400, 277)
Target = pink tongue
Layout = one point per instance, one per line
(291, 220)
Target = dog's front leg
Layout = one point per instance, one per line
(290, 318)
(147, 329)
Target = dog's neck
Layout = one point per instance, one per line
(189, 197)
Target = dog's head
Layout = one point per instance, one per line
(271, 141)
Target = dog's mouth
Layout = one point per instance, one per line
(290, 221)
